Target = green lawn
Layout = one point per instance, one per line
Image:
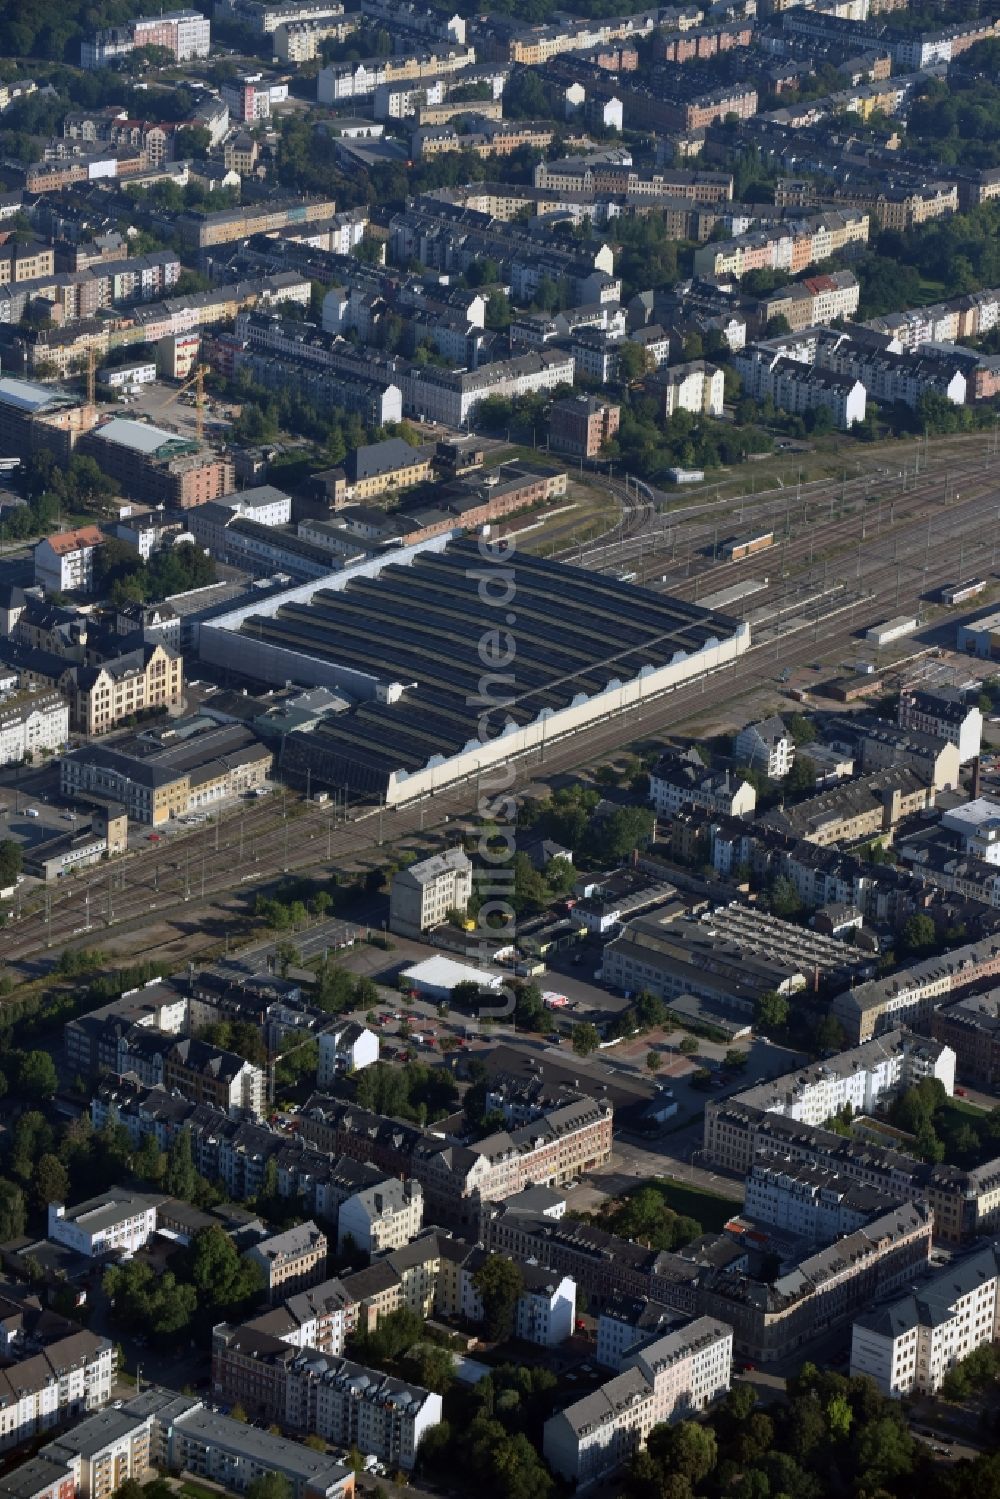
(191, 1490)
(711, 1211)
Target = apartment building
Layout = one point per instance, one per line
(265, 16)
(98, 1455)
(64, 563)
(291, 1261)
(934, 760)
(393, 464)
(766, 746)
(31, 723)
(810, 1203)
(866, 1078)
(677, 1376)
(206, 1074)
(945, 713)
(792, 246)
(62, 1379)
(815, 299)
(350, 80)
(681, 779)
(422, 894)
(971, 1028)
(601, 1264)
(911, 995)
(25, 262)
(319, 1394)
(771, 1320)
(302, 41)
(159, 465)
(345, 1048)
(908, 1345)
(118, 1222)
(581, 425)
(381, 1217)
(451, 396)
(234, 1454)
(319, 1317)
(230, 224)
(559, 1143)
(854, 810)
(696, 387)
(798, 387)
(625, 1323)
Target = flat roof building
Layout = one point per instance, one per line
(402, 635)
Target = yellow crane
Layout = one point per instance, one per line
(197, 379)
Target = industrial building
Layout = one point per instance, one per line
(459, 655)
(181, 770)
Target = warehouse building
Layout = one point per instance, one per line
(459, 656)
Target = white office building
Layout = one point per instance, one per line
(119, 1222)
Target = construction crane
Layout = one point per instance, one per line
(91, 374)
(197, 379)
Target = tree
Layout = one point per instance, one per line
(435, 1369)
(919, 933)
(653, 1061)
(585, 1039)
(688, 1046)
(784, 899)
(11, 862)
(270, 1486)
(13, 1214)
(622, 831)
(192, 142)
(839, 1417)
(650, 1010)
(500, 1285)
(181, 1179)
(51, 1182)
(771, 1011)
(687, 1448)
(802, 776)
(223, 1278)
(634, 362)
(802, 729)
(37, 1075)
(150, 1162)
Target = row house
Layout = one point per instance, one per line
(65, 1379)
(340, 81)
(701, 41)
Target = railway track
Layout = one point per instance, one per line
(285, 833)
